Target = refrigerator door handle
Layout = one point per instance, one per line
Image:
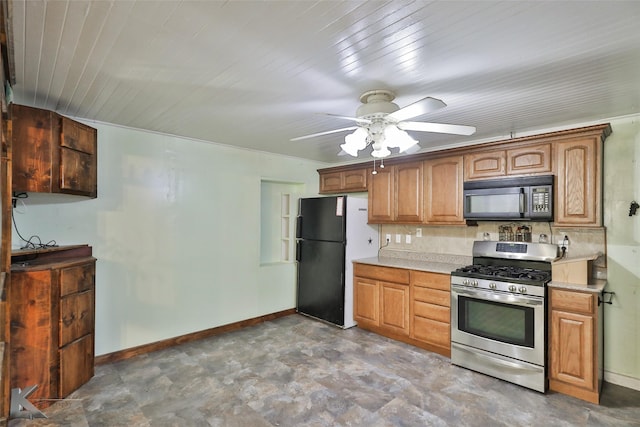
(299, 227)
(298, 251)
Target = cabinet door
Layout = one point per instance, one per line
(33, 339)
(578, 183)
(35, 138)
(355, 180)
(76, 364)
(572, 349)
(488, 164)
(394, 307)
(535, 159)
(381, 196)
(76, 316)
(331, 182)
(366, 301)
(78, 158)
(409, 193)
(443, 190)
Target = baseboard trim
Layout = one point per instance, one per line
(623, 380)
(171, 342)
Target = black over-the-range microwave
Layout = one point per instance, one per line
(521, 198)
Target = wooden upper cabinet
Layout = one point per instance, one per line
(52, 154)
(348, 181)
(443, 182)
(579, 193)
(381, 196)
(485, 164)
(409, 192)
(534, 159)
(526, 160)
(396, 194)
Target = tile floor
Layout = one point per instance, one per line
(296, 371)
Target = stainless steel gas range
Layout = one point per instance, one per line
(498, 311)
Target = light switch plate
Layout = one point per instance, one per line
(408, 238)
(398, 238)
(418, 232)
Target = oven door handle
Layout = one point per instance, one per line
(499, 297)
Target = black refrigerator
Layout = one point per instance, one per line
(331, 232)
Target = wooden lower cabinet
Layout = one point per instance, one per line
(52, 326)
(366, 302)
(394, 307)
(407, 305)
(381, 299)
(431, 310)
(575, 344)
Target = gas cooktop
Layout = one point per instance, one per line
(513, 274)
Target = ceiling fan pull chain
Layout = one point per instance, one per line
(374, 167)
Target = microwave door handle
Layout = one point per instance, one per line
(522, 201)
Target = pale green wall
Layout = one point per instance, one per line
(176, 231)
(621, 186)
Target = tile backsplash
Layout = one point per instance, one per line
(458, 240)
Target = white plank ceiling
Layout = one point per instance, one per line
(256, 73)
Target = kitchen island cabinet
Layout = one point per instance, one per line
(52, 321)
(576, 343)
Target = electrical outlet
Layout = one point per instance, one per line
(418, 232)
(388, 236)
(398, 238)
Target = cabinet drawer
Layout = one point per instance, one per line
(77, 278)
(76, 364)
(76, 316)
(433, 296)
(431, 331)
(431, 311)
(387, 274)
(577, 302)
(431, 280)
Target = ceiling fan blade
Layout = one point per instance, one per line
(418, 108)
(438, 128)
(313, 135)
(355, 119)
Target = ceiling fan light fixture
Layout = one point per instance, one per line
(349, 149)
(357, 139)
(380, 152)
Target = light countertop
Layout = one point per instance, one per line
(594, 285)
(412, 264)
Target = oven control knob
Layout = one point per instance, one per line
(513, 288)
(523, 290)
(475, 283)
(465, 282)
(492, 285)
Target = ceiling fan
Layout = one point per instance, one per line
(383, 125)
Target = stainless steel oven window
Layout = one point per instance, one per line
(512, 324)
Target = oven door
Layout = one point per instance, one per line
(508, 324)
